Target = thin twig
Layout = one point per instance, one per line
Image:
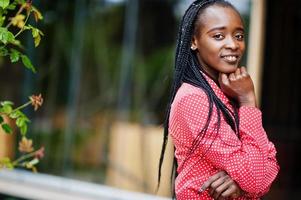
(24, 157)
(19, 11)
(22, 106)
(22, 29)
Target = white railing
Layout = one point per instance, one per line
(28, 185)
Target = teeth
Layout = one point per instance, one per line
(231, 58)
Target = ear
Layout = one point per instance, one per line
(193, 44)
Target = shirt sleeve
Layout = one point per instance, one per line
(250, 160)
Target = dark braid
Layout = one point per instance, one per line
(187, 69)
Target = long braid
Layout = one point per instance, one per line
(181, 60)
(187, 69)
(180, 65)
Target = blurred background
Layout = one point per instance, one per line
(104, 70)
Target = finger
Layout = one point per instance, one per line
(222, 188)
(212, 179)
(235, 195)
(223, 79)
(232, 77)
(243, 71)
(238, 73)
(231, 191)
(218, 183)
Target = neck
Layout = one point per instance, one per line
(209, 71)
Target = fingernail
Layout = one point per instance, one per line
(201, 190)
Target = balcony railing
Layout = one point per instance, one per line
(28, 185)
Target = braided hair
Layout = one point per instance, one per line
(187, 70)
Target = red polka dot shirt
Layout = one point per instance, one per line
(250, 160)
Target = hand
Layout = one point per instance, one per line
(221, 186)
(239, 86)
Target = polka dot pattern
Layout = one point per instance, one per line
(250, 160)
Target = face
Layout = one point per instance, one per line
(219, 40)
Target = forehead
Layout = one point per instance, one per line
(219, 16)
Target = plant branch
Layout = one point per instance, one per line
(22, 106)
(24, 157)
(19, 11)
(22, 29)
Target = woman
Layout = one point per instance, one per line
(221, 148)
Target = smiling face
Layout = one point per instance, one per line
(219, 40)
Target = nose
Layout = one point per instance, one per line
(231, 43)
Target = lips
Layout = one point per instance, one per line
(230, 58)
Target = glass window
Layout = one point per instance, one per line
(104, 69)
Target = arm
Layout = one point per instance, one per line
(222, 186)
(239, 86)
(244, 160)
(260, 149)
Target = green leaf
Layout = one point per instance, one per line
(36, 37)
(14, 55)
(3, 51)
(7, 128)
(1, 119)
(27, 27)
(15, 114)
(27, 63)
(4, 103)
(2, 19)
(7, 109)
(4, 3)
(11, 7)
(23, 130)
(6, 36)
(22, 121)
(33, 161)
(37, 40)
(16, 42)
(5, 160)
(34, 31)
(36, 34)
(36, 13)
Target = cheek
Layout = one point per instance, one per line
(210, 48)
(210, 56)
(214, 48)
(212, 52)
(242, 47)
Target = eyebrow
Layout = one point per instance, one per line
(223, 27)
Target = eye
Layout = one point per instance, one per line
(240, 36)
(218, 36)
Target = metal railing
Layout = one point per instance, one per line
(28, 185)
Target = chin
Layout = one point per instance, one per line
(230, 69)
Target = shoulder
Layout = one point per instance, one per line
(189, 112)
(188, 93)
(190, 101)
